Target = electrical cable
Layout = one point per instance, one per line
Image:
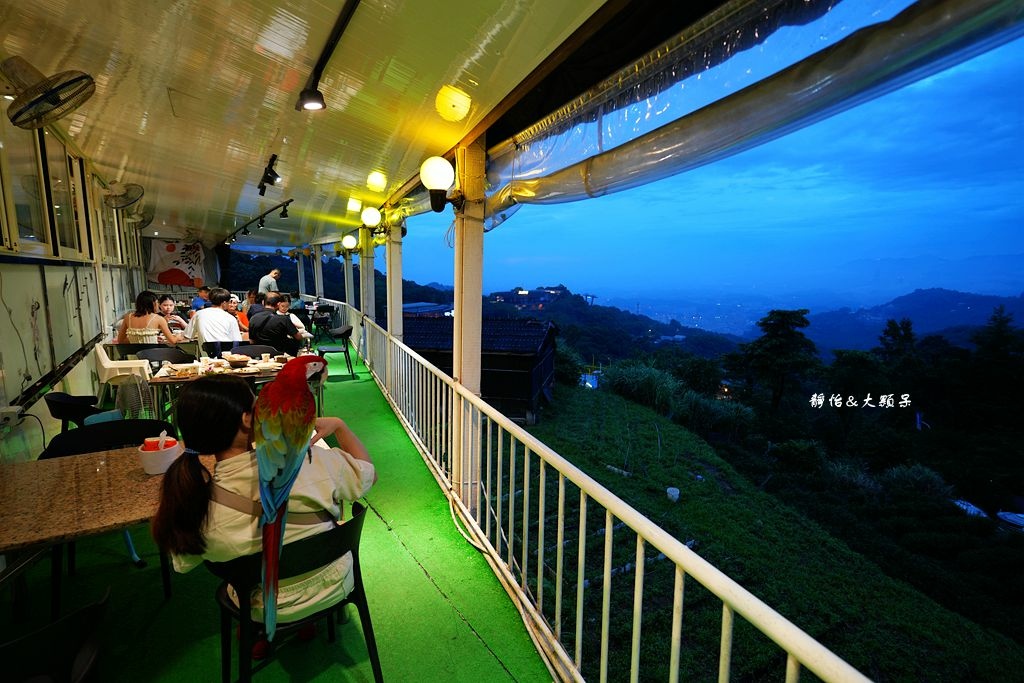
(41, 427)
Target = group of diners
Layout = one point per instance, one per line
(267, 319)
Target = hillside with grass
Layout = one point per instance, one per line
(882, 626)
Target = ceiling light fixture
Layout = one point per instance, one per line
(261, 224)
(311, 99)
(284, 211)
(245, 232)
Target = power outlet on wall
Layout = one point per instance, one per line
(10, 415)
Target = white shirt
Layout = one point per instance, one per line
(213, 324)
(333, 476)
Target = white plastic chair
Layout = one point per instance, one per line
(113, 372)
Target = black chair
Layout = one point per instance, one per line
(214, 349)
(125, 351)
(342, 334)
(245, 574)
(171, 353)
(167, 353)
(255, 350)
(68, 408)
(323, 319)
(98, 437)
(64, 650)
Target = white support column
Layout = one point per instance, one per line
(318, 270)
(469, 260)
(393, 256)
(350, 292)
(367, 297)
(301, 265)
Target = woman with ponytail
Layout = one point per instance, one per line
(215, 516)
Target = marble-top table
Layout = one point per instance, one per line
(44, 502)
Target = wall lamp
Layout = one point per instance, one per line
(270, 176)
(311, 99)
(438, 175)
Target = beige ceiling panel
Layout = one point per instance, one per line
(193, 96)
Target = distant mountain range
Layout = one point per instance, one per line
(932, 311)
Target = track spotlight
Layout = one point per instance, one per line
(284, 211)
(245, 231)
(310, 99)
(261, 223)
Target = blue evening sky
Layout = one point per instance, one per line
(920, 188)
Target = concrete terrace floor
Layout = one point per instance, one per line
(438, 611)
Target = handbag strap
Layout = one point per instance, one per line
(237, 501)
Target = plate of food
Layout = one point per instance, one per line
(268, 365)
(246, 370)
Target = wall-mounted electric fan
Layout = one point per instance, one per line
(123, 195)
(43, 99)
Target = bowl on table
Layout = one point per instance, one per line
(236, 360)
(156, 460)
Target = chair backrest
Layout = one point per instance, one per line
(174, 355)
(105, 416)
(255, 350)
(124, 351)
(298, 557)
(215, 348)
(112, 369)
(63, 650)
(64, 406)
(343, 332)
(105, 436)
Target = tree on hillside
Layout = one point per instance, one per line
(897, 340)
(997, 340)
(781, 355)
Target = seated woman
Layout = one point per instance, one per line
(284, 308)
(197, 519)
(167, 309)
(145, 325)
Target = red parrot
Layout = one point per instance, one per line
(284, 420)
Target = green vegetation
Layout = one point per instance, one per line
(831, 485)
(881, 625)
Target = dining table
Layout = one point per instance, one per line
(47, 503)
(165, 381)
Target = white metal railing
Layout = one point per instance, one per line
(539, 519)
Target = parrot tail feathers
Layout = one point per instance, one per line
(273, 535)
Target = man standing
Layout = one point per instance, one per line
(268, 283)
(201, 300)
(267, 327)
(214, 323)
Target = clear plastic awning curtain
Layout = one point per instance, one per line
(745, 75)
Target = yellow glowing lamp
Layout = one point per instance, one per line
(349, 242)
(376, 181)
(370, 216)
(452, 103)
(437, 175)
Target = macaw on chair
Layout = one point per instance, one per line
(284, 420)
